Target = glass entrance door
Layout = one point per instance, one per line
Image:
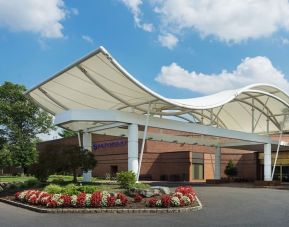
(277, 173)
(281, 173)
(285, 173)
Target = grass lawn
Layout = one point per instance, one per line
(15, 178)
(50, 179)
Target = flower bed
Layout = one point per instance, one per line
(183, 196)
(96, 199)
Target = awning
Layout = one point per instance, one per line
(98, 81)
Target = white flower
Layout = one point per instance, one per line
(186, 200)
(87, 199)
(118, 202)
(73, 200)
(159, 203)
(175, 201)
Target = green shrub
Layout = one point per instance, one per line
(71, 189)
(87, 189)
(141, 186)
(58, 180)
(12, 186)
(53, 189)
(31, 183)
(126, 179)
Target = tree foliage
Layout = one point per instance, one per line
(5, 157)
(62, 159)
(67, 133)
(20, 121)
(231, 169)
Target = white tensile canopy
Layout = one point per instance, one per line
(97, 81)
(97, 94)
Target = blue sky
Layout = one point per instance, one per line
(179, 48)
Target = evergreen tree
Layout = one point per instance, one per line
(231, 169)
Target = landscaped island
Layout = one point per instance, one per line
(183, 196)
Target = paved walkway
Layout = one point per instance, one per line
(223, 206)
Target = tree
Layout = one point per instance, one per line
(67, 133)
(5, 158)
(20, 122)
(62, 159)
(231, 169)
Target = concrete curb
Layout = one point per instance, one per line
(103, 210)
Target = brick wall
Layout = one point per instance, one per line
(162, 160)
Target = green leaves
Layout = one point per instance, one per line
(231, 169)
(67, 133)
(20, 122)
(62, 158)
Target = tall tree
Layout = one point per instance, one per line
(20, 122)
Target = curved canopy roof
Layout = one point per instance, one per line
(98, 81)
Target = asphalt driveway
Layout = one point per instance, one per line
(223, 206)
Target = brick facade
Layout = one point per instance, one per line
(161, 160)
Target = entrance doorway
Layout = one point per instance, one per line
(281, 173)
(113, 171)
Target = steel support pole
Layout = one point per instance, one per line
(278, 148)
(143, 142)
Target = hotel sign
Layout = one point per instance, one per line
(110, 144)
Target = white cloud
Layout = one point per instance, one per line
(134, 7)
(87, 39)
(168, 40)
(52, 135)
(250, 70)
(41, 17)
(230, 21)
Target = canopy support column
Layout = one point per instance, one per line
(267, 162)
(87, 144)
(133, 148)
(217, 174)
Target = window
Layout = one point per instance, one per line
(197, 166)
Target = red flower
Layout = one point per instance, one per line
(95, 200)
(152, 202)
(166, 200)
(192, 197)
(17, 195)
(110, 201)
(51, 203)
(182, 202)
(44, 198)
(138, 198)
(185, 190)
(66, 200)
(122, 198)
(81, 199)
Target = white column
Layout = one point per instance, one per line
(218, 163)
(267, 162)
(87, 144)
(133, 148)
